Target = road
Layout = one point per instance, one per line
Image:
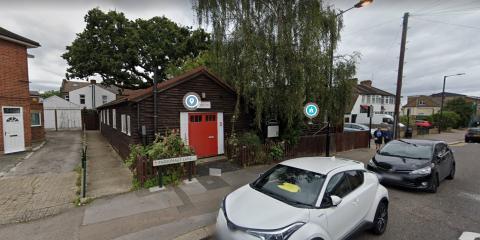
(455, 208)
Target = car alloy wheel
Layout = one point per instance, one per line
(381, 219)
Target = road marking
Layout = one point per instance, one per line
(473, 196)
(469, 236)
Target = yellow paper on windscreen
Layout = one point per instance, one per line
(289, 187)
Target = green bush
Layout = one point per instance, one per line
(450, 120)
(249, 138)
(277, 152)
(168, 146)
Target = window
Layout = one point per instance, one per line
(104, 99)
(421, 102)
(364, 99)
(114, 118)
(129, 132)
(291, 185)
(355, 178)
(210, 118)
(123, 123)
(369, 99)
(35, 119)
(338, 186)
(195, 118)
(82, 98)
(11, 110)
(67, 97)
(108, 116)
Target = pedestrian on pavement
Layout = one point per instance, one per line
(388, 135)
(378, 138)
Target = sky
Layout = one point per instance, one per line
(442, 38)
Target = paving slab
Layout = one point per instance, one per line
(106, 173)
(171, 230)
(129, 204)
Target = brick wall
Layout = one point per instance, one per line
(14, 87)
(38, 132)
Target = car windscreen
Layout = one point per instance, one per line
(474, 130)
(291, 185)
(407, 150)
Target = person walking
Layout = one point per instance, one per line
(387, 135)
(378, 138)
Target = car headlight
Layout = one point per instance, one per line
(423, 171)
(371, 163)
(281, 234)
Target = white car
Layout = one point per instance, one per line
(310, 198)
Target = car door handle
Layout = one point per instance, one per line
(211, 137)
(356, 202)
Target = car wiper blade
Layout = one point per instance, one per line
(403, 141)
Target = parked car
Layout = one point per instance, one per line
(472, 135)
(423, 123)
(420, 164)
(305, 199)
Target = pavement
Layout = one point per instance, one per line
(188, 211)
(106, 173)
(42, 184)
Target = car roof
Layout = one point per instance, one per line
(423, 141)
(323, 165)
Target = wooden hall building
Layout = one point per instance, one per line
(204, 125)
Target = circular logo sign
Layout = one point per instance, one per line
(311, 110)
(191, 101)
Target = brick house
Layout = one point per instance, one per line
(15, 101)
(421, 106)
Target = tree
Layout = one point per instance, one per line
(126, 52)
(450, 120)
(50, 93)
(276, 54)
(462, 108)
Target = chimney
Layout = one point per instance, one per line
(367, 83)
(92, 81)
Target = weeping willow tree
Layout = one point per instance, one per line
(276, 54)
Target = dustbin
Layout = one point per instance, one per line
(408, 132)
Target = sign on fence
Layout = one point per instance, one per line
(169, 161)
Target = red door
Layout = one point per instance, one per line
(202, 134)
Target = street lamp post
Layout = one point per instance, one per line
(361, 3)
(443, 99)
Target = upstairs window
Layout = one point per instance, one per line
(123, 120)
(82, 98)
(129, 132)
(67, 97)
(104, 99)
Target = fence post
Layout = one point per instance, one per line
(84, 172)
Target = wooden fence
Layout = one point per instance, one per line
(259, 154)
(306, 146)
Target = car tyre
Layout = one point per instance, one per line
(381, 218)
(434, 183)
(452, 172)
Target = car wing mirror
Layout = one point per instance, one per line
(336, 200)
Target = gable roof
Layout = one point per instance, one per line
(369, 90)
(448, 94)
(56, 102)
(13, 37)
(68, 86)
(139, 95)
(428, 100)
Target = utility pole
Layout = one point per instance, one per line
(441, 106)
(396, 130)
(155, 81)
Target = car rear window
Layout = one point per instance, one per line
(474, 130)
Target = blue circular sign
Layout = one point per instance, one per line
(191, 101)
(311, 110)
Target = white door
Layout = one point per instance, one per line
(13, 135)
